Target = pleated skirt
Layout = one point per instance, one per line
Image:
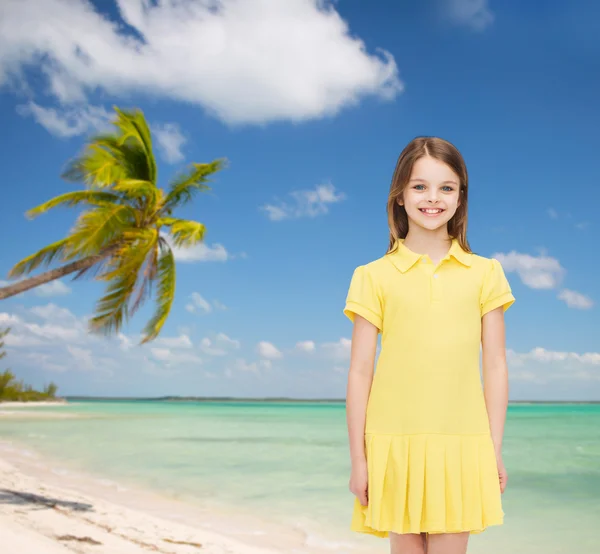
(432, 483)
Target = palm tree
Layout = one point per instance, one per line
(120, 237)
(3, 333)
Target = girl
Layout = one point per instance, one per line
(425, 437)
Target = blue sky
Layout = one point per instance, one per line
(311, 106)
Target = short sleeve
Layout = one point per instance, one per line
(364, 298)
(496, 289)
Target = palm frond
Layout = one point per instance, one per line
(144, 194)
(125, 266)
(96, 228)
(185, 185)
(136, 188)
(112, 307)
(149, 273)
(135, 245)
(133, 126)
(111, 157)
(165, 278)
(102, 163)
(59, 249)
(185, 232)
(70, 199)
(3, 333)
(105, 161)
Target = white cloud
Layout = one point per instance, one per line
(20, 340)
(125, 343)
(206, 345)
(51, 331)
(44, 361)
(339, 350)
(59, 325)
(172, 358)
(223, 339)
(475, 14)
(268, 350)
(161, 353)
(182, 341)
(543, 355)
(200, 253)
(542, 366)
(306, 203)
(241, 365)
(552, 213)
(82, 356)
(245, 62)
(170, 141)
(198, 303)
(68, 122)
(537, 272)
(186, 358)
(220, 346)
(53, 312)
(575, 299)
(8, 319)
(306, 346)
(53, 288)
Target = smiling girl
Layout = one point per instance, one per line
(425, 436)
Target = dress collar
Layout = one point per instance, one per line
(404, 258)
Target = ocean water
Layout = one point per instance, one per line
(287, 463)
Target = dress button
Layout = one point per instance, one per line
(435, 275)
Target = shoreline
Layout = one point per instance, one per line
(32, 403)
(56, 511)
(267, 399)
(35, 472)
(70, 400)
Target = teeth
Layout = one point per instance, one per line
(431, 211)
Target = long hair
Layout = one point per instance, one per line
(445, 152)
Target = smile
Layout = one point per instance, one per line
(431, 211)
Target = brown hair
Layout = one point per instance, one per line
(445, 152)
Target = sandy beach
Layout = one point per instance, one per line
(45, 509)
(44, 403)
(39, 518)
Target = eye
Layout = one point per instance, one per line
(448, 188)
(418, 186)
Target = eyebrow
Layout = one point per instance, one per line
(425, 180)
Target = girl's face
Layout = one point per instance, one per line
(431, 196)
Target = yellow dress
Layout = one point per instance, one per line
(430, 455)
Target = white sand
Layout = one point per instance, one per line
(47, 509)
(29, 410)
(14, 404)
(38, 518)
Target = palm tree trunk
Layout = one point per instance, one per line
(32, 282)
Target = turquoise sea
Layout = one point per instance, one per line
(287, 463)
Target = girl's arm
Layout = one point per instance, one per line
(360, 377)
(495, 373)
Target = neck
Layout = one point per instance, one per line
(433, 243)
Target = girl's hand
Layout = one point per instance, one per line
(359, 481)
(502, 474)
